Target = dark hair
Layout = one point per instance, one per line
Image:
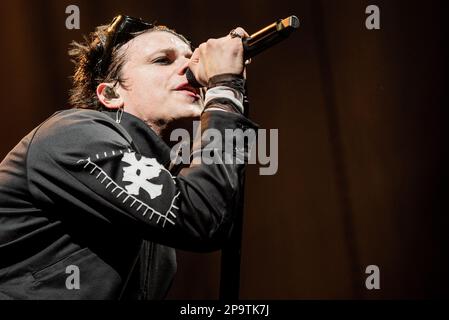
(85, 56)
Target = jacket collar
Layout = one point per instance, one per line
(148, 143)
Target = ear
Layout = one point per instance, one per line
(108, 96)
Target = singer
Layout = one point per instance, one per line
(91, 207)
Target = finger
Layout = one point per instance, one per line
(195, 66)
(238, 32)
(195, 58)
(242, 32)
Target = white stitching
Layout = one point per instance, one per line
(165, 216)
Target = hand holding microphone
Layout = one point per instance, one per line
(218, 56)
(242, 47)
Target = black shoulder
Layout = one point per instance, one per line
(78, 130)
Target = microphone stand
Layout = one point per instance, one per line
(231, 253)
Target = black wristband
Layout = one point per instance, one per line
(234, 81)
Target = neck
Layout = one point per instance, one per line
(158, 127)
(166, 130)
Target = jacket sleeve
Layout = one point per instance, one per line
(86, 167)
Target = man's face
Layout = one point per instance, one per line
(155, 88)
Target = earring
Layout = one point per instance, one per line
(119, 114)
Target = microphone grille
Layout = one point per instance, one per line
(191, 79)
(294, 21)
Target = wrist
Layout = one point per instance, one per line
(234, 81)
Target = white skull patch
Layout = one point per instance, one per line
(139, 173)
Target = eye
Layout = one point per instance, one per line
(162, 60)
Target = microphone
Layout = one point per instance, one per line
(260, 41)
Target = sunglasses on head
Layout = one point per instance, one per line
(119, 31)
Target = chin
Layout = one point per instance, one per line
(192, 110)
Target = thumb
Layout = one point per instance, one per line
(195, 66)
(194, 61)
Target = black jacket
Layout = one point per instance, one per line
(82, 190)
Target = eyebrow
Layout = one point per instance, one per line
(169, 50)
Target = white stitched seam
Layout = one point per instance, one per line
(165, 216)
(105, 154)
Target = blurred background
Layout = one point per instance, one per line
(362, 119)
